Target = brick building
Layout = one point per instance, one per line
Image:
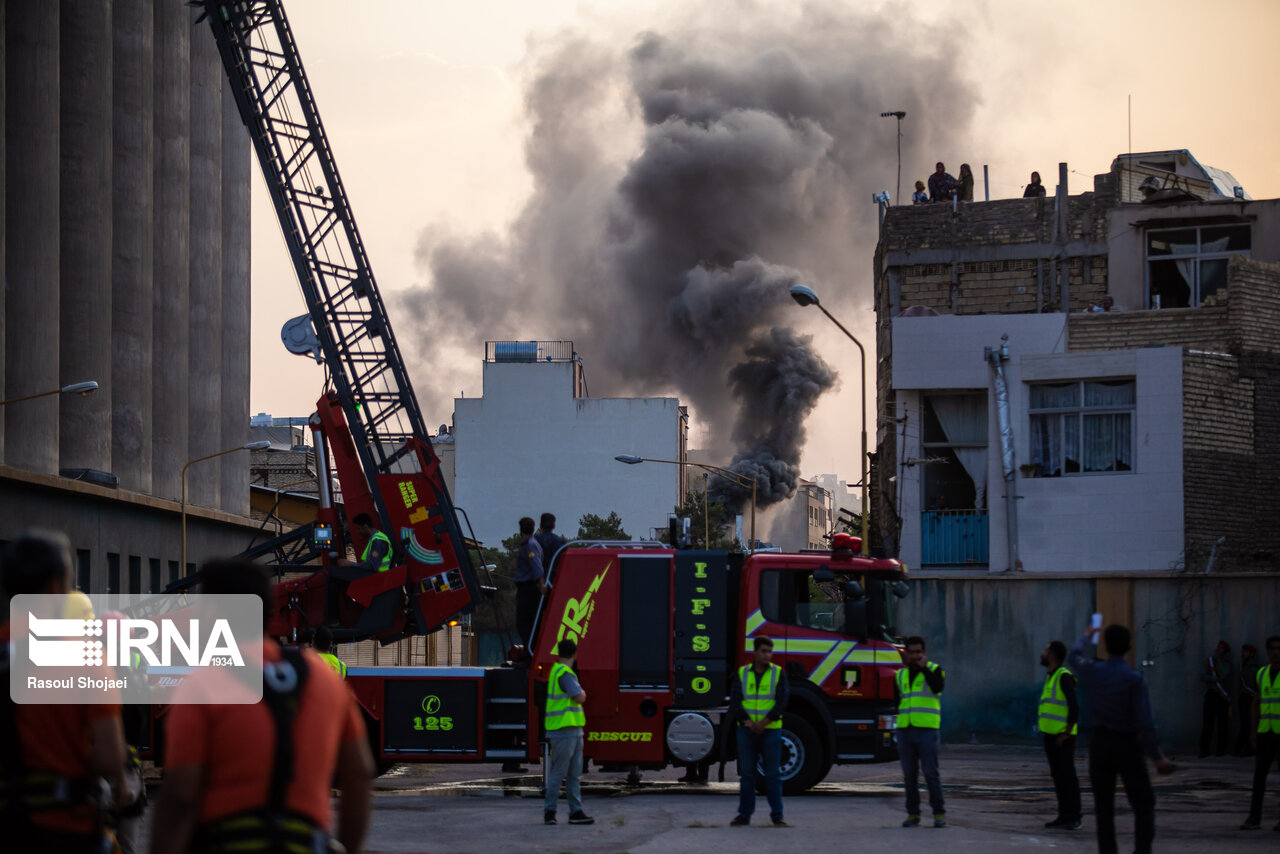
(1136, 328)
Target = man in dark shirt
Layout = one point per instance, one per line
(941, 185)
(531, 581)
(757, 699)
(548, 539)
(1123, 729)
(1216, 676)
(1059, 714)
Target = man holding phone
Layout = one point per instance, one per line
(1124, 729)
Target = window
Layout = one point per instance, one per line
(955, 451)
(1082, 427)
(1186, 266)
(793, 598)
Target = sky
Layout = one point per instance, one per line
(524, 170)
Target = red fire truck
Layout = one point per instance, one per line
(660, 634)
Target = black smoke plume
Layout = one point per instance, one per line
(681, 186)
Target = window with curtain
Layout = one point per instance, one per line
(1082, 427)
(1186, 266)
(955, 450)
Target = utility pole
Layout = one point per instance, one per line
(899, 115)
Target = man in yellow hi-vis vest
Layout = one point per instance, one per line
(564, 724)
(1266, 731)
(1058, 714)
(322, 643)
(917, 686)
(757, 700)
(377, 545)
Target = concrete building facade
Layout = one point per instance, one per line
(125, 248)
(534, 443)
(1135, 329)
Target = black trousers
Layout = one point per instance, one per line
(1120, 753)
(1245, 709)
(1217, 717)
(1063, 768)
(1268, 752)
(527, 596)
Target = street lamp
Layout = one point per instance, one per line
(251, 446)
(806, 296)
(83, 389)
(727, 474)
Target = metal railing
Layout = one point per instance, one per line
(954, 538)
(528, 351)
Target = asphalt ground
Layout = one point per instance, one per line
(998, 798)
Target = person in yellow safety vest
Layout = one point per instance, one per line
(322, 643)
(1266, 731)
(917, 686)
(377, 548)
(1058, 715)
(565, 721)
(757, 700)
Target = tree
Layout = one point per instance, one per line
(501, 610)
(592, 527)
(715, 515)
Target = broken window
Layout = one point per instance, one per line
(1186, 266)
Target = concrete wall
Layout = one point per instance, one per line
(101, 142)
(1126, 253)
(528, 446)
(988, 634)
(1113, 522)
(103, 522)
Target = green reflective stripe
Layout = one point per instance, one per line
(918, 706)
(562, 712)
(754, 622)
(1268, 700)
(1054, 711)
(758, 698)
(386, 558)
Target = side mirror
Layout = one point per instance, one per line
(901, 589)
(855, 618)
(852, 590)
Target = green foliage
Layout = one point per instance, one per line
(715, 515)
(593, 527)
(502, 609)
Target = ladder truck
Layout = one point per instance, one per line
(368, 429)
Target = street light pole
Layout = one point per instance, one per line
(83, 389)
(806, 296)
(727, 474)
(251, 446)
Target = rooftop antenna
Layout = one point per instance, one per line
(899, 115)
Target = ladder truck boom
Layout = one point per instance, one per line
(368, 426)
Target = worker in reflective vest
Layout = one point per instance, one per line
(918, 685)
(1266, 731)
(377, 549)
(565, 721)
(1059, 713)
(757, 700)
(322, 643)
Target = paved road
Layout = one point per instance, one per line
(997, 800)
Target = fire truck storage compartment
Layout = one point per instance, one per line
(644, 654)
(701, 630)
(433, 713)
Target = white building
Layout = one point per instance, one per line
(534, 443)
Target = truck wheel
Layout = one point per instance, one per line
(802, 764)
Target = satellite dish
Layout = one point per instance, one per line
(299, 337)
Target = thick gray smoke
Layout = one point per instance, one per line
(681, 185)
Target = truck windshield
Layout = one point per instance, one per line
(794, 598)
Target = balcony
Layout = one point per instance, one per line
(954, 538)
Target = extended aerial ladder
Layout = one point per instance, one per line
(368, 428)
